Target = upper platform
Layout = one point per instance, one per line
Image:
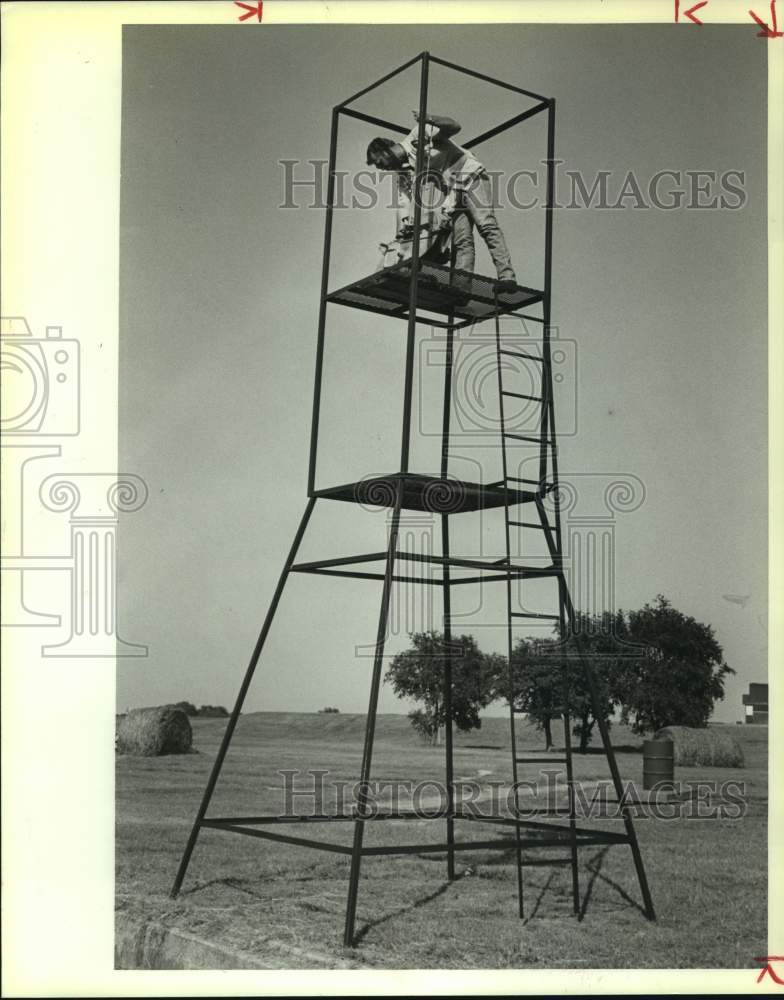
(466, 296)
(426, 493)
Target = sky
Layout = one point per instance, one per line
(661, 314)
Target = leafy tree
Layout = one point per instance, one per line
(187, 706)
(537, 683)
(538, 675)
(213, 712)
(605, 641)
(657, 665)
(680, 674)
(418, 673)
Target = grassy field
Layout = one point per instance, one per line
(285, 904)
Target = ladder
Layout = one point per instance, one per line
(565, 619)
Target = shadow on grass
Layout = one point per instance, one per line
(594, 866)
(479, 746)
(363, 931)
(538, 901)
(229, 881)
(589, 751)
(304, 873)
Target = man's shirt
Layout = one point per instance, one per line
(456, 165)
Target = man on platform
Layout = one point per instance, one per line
(465, 185)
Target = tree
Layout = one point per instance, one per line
(603, 640)
(538, 675)
(213, 712)
(679, 675)
(657, 665)
(537, 681)
(418, 673)
(187, 706)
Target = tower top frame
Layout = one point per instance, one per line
(542, 103)
(410, 298)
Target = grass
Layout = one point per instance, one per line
(285, 904)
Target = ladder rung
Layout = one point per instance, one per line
(531, 482)
(522, 395)
(540, 760)
(531, 614)
(525, 437)
(519, 354)
(527, 524)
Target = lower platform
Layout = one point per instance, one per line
(462, 294)
(427, 493)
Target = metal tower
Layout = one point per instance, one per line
(417, 291)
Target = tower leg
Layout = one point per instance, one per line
(232, 723)
(567, 724)
(631, 833)
(370, 727)
(450, 797)
(572, 816)
(448, 729)
(513, 747)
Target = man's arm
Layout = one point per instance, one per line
(447, 127)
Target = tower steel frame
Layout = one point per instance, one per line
(405, 489)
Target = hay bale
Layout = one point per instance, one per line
(707, 747)
(152, 732)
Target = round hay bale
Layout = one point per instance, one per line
(152, 732)
(706, 747)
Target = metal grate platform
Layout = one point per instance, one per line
(465, 295)
(427, 493)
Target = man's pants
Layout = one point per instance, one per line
(475, 209)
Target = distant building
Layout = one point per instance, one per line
(756, 702)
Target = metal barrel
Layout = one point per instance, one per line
(658, 763)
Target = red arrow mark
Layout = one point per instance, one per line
(250, 10)
(690, 12)
(770, 959)
(766, 31)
